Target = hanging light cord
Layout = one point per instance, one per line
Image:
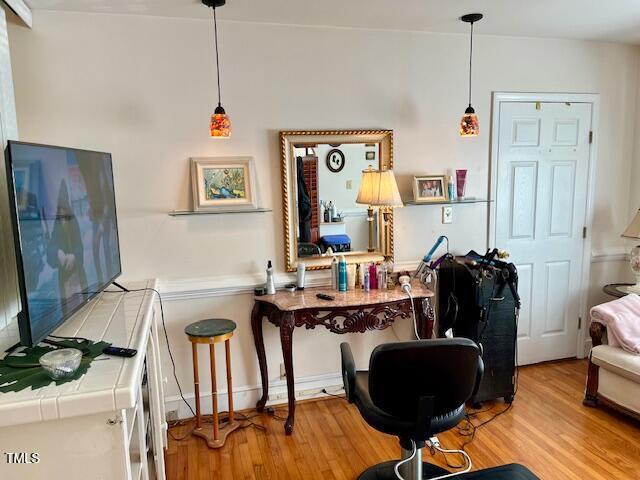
(215, 32)
(470, 61)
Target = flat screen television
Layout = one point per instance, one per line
(63, 211)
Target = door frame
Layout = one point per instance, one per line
(594, 100)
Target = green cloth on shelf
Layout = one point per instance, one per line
(14, 378)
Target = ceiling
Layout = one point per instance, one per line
(607, 20)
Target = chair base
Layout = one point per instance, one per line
(384, 471)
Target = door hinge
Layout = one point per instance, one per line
(584, 232)
(579, 323)
(590, 136)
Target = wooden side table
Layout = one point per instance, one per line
(212, 331)
(617, 289)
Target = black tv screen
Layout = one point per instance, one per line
(65, 228)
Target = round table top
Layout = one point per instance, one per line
(617, 289)
(211, 327)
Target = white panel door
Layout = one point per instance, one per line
(541, 195)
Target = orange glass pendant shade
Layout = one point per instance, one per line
(469, 126)
(220, 124)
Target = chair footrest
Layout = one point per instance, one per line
(384, 471)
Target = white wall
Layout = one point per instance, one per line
(143, 88)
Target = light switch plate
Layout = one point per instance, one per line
(447, 214)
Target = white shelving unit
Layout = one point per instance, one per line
(108, 424)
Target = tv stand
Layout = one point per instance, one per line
(108, 424)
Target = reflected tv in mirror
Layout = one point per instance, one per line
(63, 211)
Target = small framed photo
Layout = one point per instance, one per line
(430, 188)
(223, 183)
(370, 155)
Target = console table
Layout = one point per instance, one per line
(352, 311)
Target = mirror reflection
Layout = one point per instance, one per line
(328, 178)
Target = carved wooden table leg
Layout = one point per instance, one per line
(287, 325)
(257, 316)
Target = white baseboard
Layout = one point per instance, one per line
(246, 397)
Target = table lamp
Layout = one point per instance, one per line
(378, 188)
(633, 231)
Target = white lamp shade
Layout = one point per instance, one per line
(379, 189)
(633, 230)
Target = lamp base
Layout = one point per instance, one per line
(634, 263)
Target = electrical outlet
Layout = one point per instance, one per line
(172, 416)
(283, 373)
(447, 214)
(349, 184)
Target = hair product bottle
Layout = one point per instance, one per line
(334, 273)
(373, 276)
(342, 274)
(271, 284)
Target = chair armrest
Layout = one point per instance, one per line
(348, 371)
(479, 375)
(596, 330)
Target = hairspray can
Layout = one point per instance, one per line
(271, 285)
(300, 276)
(365, 283)
(342, 274)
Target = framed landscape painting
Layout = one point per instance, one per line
(223, 183)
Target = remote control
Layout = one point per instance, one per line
(324, 296)
(120, 352)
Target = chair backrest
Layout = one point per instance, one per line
(400, 374)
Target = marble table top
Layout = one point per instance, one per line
(301, 299)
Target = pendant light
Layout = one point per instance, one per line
(220, 124)
(469, 124)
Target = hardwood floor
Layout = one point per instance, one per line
(547, 429)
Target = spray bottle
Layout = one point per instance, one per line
(271, 284)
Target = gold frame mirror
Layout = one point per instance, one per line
(378, 141)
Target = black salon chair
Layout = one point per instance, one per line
(415, 390)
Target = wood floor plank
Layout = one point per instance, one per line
(547, 429)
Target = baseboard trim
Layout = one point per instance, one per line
(246, 397)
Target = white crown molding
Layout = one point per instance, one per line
(22, 10)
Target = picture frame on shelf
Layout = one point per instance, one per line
(430, 188)
(223, 183)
